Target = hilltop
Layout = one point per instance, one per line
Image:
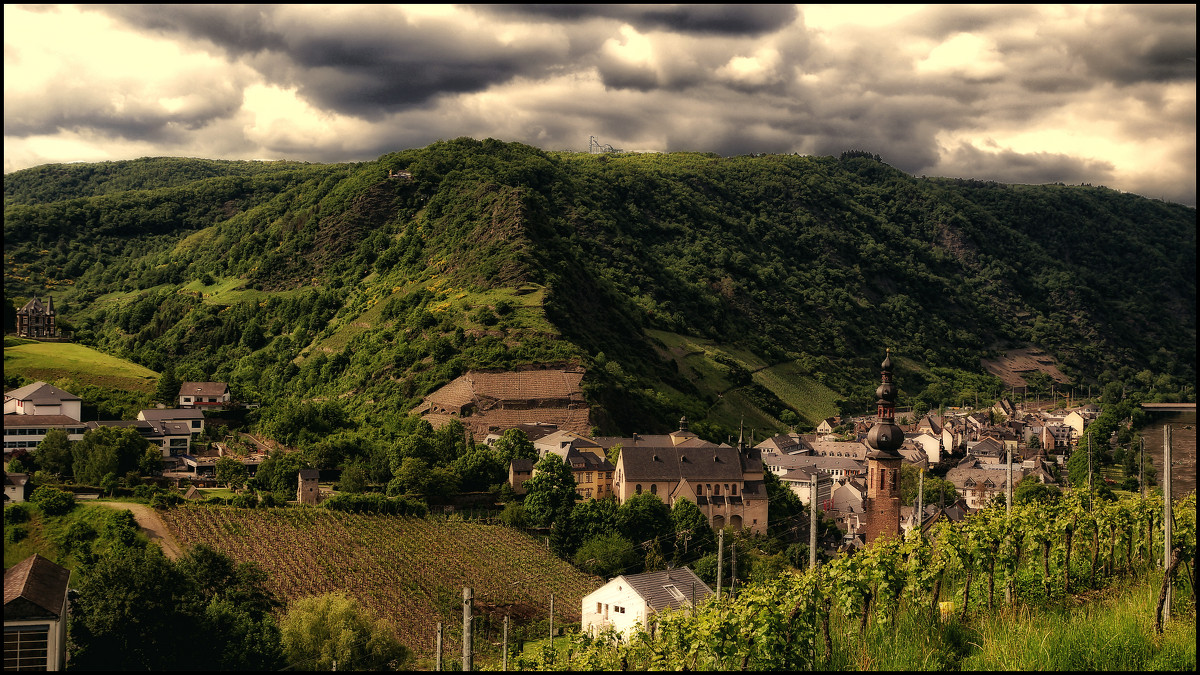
(723, 288)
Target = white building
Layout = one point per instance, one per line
(800, 482)
(35, 615)
(633, 599)
(40, 398)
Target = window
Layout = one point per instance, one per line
(599, 607)
(735, 489)
(716, 489)
(587, 477)
(654, 488)
(26, 647)
(187, 399)
(637, 489)
(196, 424)
(675, 592)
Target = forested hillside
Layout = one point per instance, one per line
(301, 281)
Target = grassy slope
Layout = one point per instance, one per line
(49, 361)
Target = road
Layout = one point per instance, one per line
(148, 520)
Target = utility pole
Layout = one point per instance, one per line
(1009, 497)
(468, 597)
(812, 524)
(1166, 612)
(504, 658)
(1142, 467)
(920, 499)
(720, 559)
(439, 646)
(1089, 440)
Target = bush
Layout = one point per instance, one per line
(14, 534)
(52, 501)
(17, 513)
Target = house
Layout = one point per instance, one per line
(307, 491)
(1056, 437)
(172, 438)
(206, 395)
(27, 431)
(781, 465)
(16, 487)
(848, 496)
(592, 471)
(36, 319)
(929, 443)
(841, 468)
(725, 482)
(634, 599)
(800, 482)
(851, 449)
(490, 401)
(980, 482)
(786, 444)
(40, 398)
(519, 471)
(35, 615)
(827, 425)
(192, 417)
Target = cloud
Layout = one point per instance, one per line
(1007, 166)
(364, 61)
(1028, 93)
(743, 20)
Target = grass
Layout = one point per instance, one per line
(50, 361)
(46, 534)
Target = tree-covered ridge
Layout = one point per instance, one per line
(294, 281)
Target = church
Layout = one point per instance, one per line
(37, 320)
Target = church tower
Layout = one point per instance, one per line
(882, 505)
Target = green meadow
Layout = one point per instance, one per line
(50, 361)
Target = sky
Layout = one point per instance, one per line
(1098, 94)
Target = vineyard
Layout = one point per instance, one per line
(410, 571)
(930, 590)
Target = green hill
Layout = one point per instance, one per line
(299, 281)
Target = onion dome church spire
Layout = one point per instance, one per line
(886, 437)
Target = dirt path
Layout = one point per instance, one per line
(147, 518)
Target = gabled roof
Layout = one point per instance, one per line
(694, 463)
(40, 393)
(36, 306)
(655, 588)
(35, 588)
(203, 389)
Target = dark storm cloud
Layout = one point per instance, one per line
(1007, 166)
(747, 20)
(365, 62)
(1127, 47)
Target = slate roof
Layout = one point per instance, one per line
(40, 393)
(160, 414)
(652, 587)
(35, 588)
(690, 462)
(13, 420)
(203, 389)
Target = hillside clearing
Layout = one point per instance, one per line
(49, 361)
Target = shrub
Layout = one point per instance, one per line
(14, 534)
(17, 513)
(52, 501)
